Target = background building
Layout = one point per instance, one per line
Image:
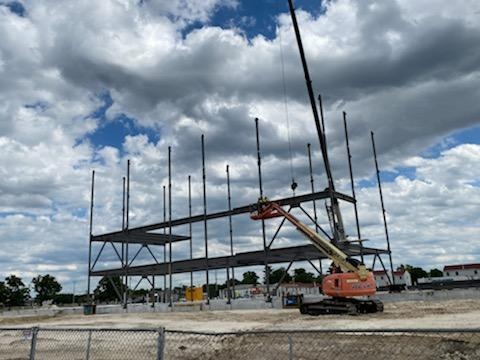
(469, 271)
(402, 277)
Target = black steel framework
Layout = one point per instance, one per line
(161, 235)
(147, 236)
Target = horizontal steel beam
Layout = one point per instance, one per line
(139, 238)
(252, 258)
(291, 201)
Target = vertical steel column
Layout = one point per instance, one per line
(190, 226)
(123, 242)
(164, 246)
(153, 291)
(170, 226)
(352, 183)
(128, 196)
(205, 217)
(383, 207)
(228, 261)
(127, 219)
(123, 218)
(265, 248)
(230, 227)
(228, 283)
(90, 234)
(312, 185)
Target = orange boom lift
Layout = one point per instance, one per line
(350, 279)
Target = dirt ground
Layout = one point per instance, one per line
(420, 314)
(58, 344)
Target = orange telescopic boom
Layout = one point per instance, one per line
(351, 280)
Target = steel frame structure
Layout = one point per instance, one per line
(148, 236)
(144, 235)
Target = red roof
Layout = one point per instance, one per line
(461, 267)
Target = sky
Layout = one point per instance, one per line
(86, 85)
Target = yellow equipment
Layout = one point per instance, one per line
(194, 294)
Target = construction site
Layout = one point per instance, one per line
(349, 277)
(345, 316)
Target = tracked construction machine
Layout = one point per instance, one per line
(350, 281)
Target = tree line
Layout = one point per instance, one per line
(14, 292)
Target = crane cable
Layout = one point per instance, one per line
(285, 99)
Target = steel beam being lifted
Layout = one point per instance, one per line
(139, 238)
(290, 201)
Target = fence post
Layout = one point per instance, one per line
(290, 348)
(160, 343)
(89, 343)
(33, 344)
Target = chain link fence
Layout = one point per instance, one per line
(86, 344)
(106, 344)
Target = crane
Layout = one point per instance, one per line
(349, 280)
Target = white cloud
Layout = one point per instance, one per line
(406, 70)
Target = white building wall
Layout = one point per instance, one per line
(405, 279)
(400, 279)
(469, 273)
(381, 280)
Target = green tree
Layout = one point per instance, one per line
(3, 293)
(415, 272)
(16, 292)
(213, 290)
(106, 291)
(46, 287)
(300, 275)
(250, 277)
(436, 273)
(277, 274)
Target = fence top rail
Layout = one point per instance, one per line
(82, 329)
(253, 332)
(318, 331)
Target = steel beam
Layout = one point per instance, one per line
(290, 201)
(252, 258)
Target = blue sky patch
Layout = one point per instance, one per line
(470, 135)
(475, 183)
(389, 176)
(113, 132)
(256, 17)
(15, 7)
